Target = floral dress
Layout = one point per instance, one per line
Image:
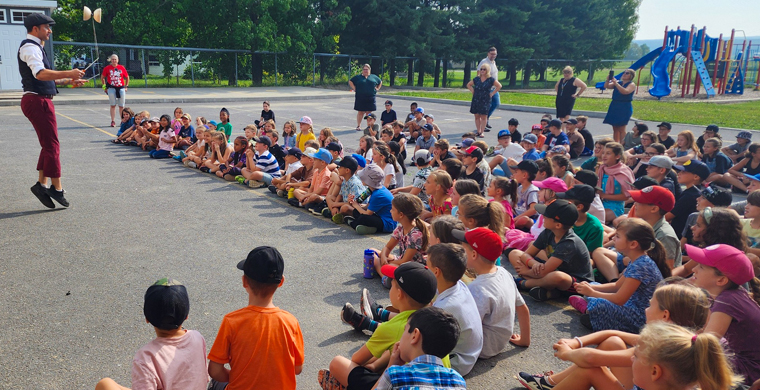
(481, 99)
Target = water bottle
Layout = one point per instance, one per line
(363, 196)
(369, 264)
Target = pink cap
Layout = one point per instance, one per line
(306, 119)
(553, 183)
(728, 260)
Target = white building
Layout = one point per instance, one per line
(12, 32)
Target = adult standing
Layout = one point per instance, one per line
(366, 86)
(621, 108)
(39, 82)
(483, 88)
(493, 71)
(567, 91)
(116, 79)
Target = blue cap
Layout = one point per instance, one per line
(420, 110)
(530, 138)
(427, 127)
(504, 133)
(467, 142)
(360, 159)
(213, 123)
(322, 154)
(753, 177)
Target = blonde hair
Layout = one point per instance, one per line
(581, 118)
(691, 142)
(687, 305)
(568, 69)
(690, 358)
(443, 179)
(486, 214)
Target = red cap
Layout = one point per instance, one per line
(483, 240)
(728, 260)
(537, 127)
(655, 195)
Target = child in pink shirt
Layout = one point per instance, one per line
(176, 358)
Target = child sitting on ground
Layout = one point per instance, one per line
(429, 335)
(376, 215)
(300, 178)
(337, 205)
(737, 150)
(413, 287)
(423, 160)
(506, 150)
(620, 305)
(437, 187)
(616, 179)
(577, 143)
(527, 194)
(718, 162)
(461, 188)
(220, 152)
(563, 169)
(568, 258)
(690, 175)
(312, 198)
(494, 292)
(292, 163)
(260, 326)
(504, 191)
(426, 140)
(685, 148)
(529, 144)
(186, 134)
(470, 159)
(236, 161)
(175, 359)
(289, 135)
(166, 140)
(261, 166)
(587, 227)
(410, 235)
(588, 139)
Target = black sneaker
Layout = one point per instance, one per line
(543, 294)
(327, 213)
(586, 321)
(41, 193)
(294, 202)
(58, 196)
(348, 220)
(534, 382)
(369, 307)
(351, 317)
(272, 189)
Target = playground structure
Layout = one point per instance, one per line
(692, 61)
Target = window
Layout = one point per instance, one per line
(18, 15)
(2, 16)
(153, 60)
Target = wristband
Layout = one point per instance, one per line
(579, 341)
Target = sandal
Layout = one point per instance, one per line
(116, 141)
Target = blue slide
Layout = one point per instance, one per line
(660, 76)
(640, 63)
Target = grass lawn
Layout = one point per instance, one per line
(738, 115)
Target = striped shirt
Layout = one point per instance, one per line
(424, 372)
(267, 164)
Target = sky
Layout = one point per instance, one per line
(720, 16)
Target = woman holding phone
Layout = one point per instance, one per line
(621, 108)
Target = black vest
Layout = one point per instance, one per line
(28, 81)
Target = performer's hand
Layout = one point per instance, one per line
(75, 74)
(78, 83)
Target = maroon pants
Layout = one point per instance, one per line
(41, 112)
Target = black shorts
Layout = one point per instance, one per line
(361, 378)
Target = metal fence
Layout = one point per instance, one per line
(159, 66)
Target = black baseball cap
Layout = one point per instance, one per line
(644, 182)
(665, 124)
(388, 102)
(696, 167)
(717, 196)
(264, 140)
(166, 304)
(529, 166)
(349, 163)
(334, 146)
(713, 127)
(560, 210)
(427, 127)
(556, 123)
(370, 115)
(572, 120)
(295, 152)
(264, 264)
(581, 192)
(415, 279)
(37, 19)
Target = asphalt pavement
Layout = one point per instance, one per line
(72, 280)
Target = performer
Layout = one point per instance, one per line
(39, 81)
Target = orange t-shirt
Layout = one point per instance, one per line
(263, 347)
(320, 182)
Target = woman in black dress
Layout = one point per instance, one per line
(567, 89)
(366, 86)
(480, 87)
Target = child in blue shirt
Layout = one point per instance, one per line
(529, 144)
(556, 136)
(426, 140)
(375, 216)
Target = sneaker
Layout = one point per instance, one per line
(41, 193)
(182, 154)
(369, 307)
(177, 157)
(240, 179)
(586, 321)
(256, 184)
(364, 230)
(132, 143)
(58, 196)
(327, 213)
(490, 151)
(578, 303)
(204, 169)
(192, 164)
(543, 294)
(386, 281)
(351, 317)
(282, 193)
(535, 382)
(272, 189)
(337, 218)
(520, 283)
(294, 202)
(328, 382)
(316, 210)
(348, 220)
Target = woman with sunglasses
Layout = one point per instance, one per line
(568, 88)
(483, 88)
(621, 108)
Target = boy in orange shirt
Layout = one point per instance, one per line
(262, 343)
(320, 183)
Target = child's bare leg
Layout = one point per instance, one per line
(340, 367)
(213, 168)
(523, 222)
(346, 209)
(617, 220)
(109, 384)
(605, 261)
(554, 279)
(495, 161)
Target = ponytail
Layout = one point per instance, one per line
(422, 226)
(754, 289)
(636, 229)
(485, 213)
(659, 256)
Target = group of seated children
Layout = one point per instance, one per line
(622, 220)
